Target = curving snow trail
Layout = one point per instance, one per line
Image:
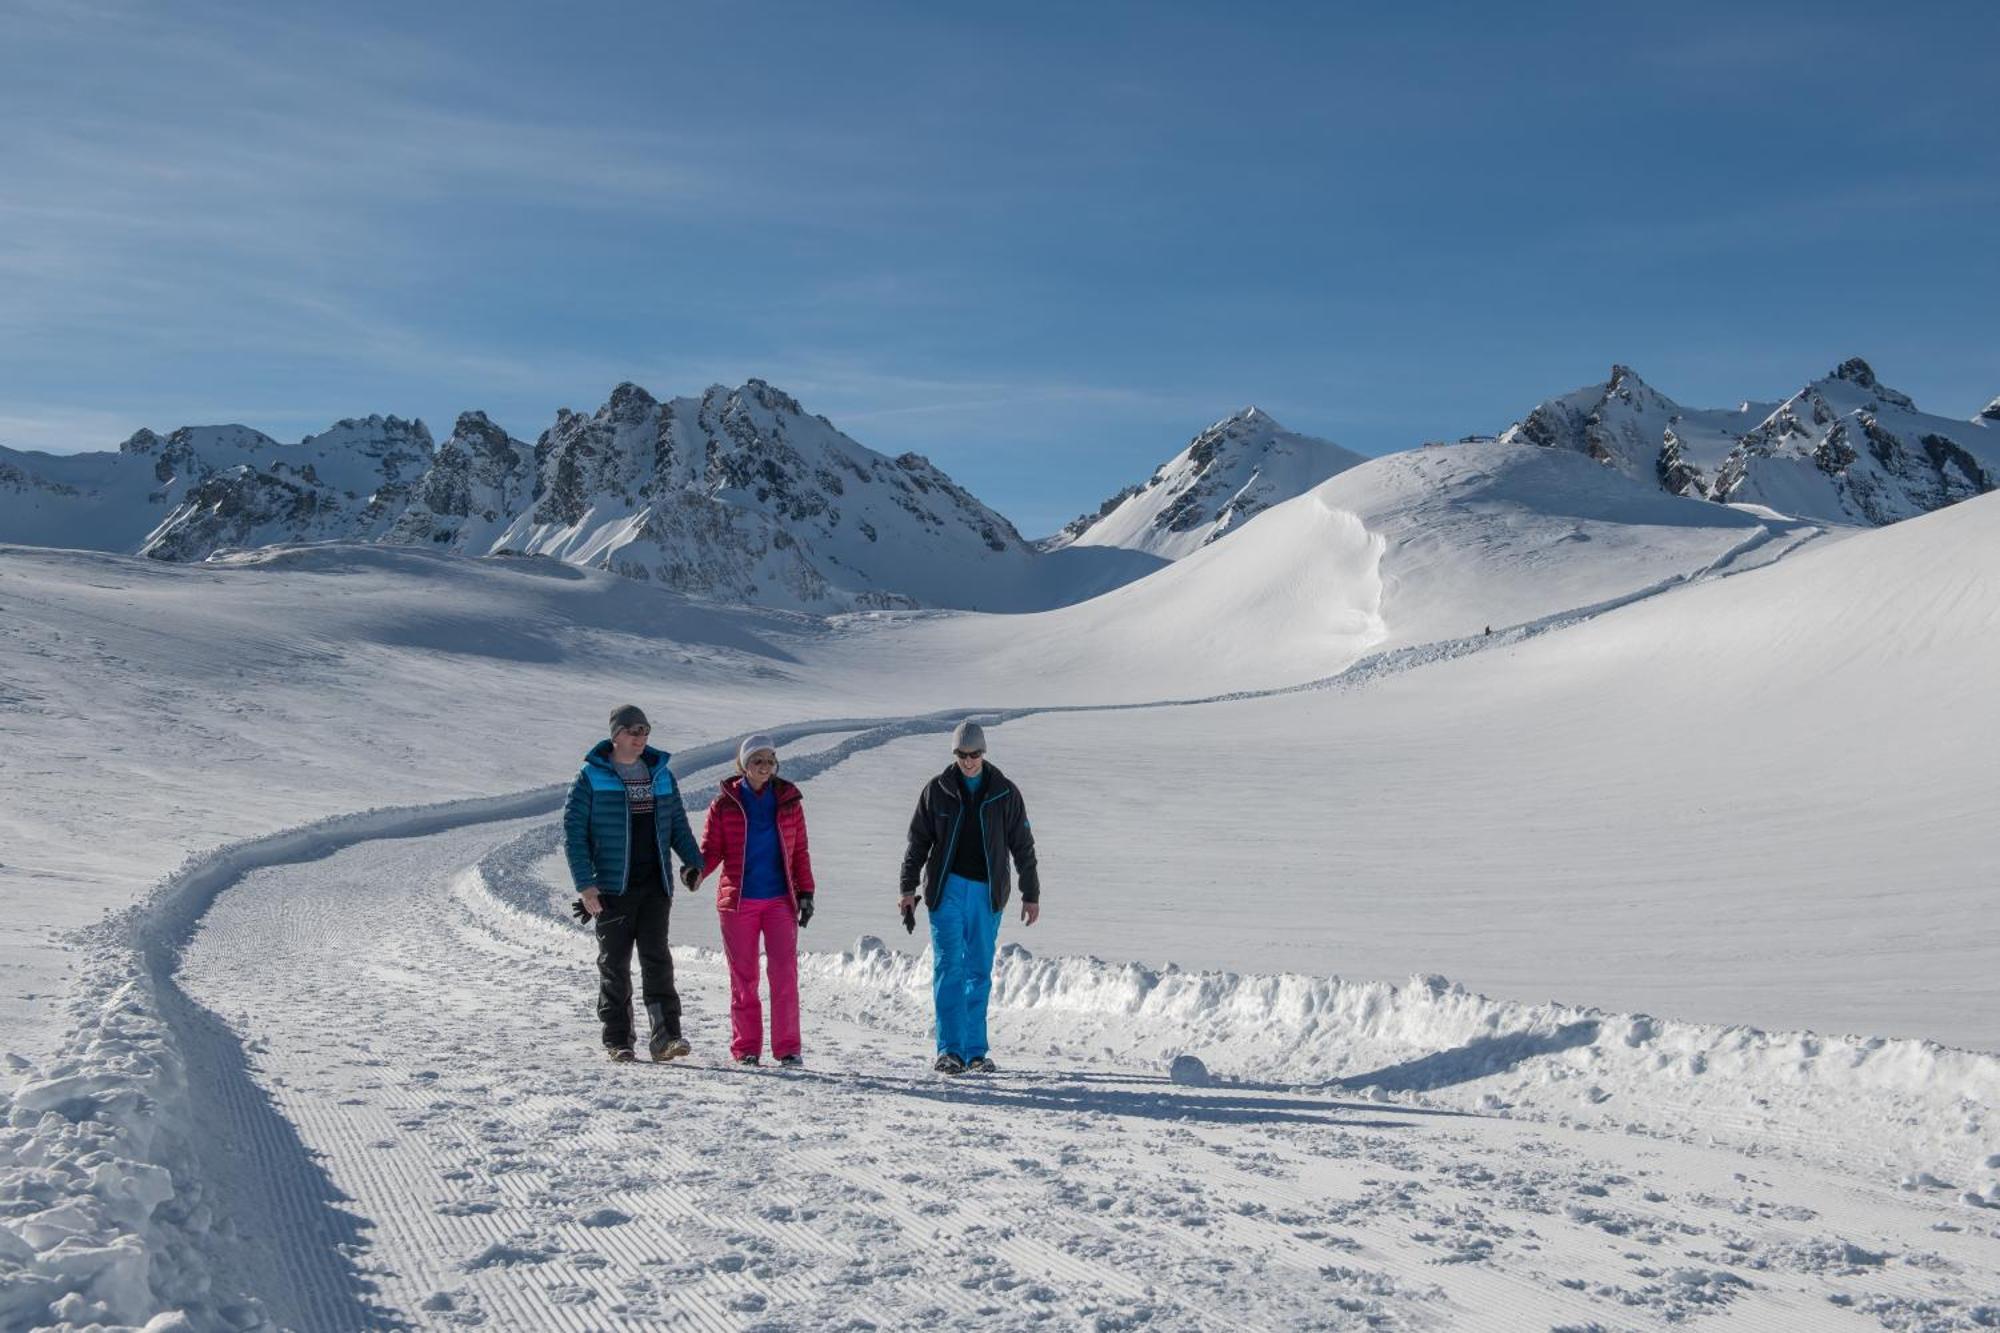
(417, 1010)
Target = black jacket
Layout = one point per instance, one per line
(934, 835)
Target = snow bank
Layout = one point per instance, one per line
(105, 1214)
(1894, 1105)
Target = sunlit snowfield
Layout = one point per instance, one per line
(1711, 766)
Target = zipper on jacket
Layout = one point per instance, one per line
(666, 865)
(986, 843)
(625, 875)
(743, 862)
(951, 848)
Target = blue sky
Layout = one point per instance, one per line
(1042, 244)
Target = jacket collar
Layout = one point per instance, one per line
(787, 792)
(600, 754)
(992, 782)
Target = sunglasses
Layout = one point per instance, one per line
(637, 731)
(968, 754)
(761, 761)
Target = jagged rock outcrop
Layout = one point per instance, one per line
(1228, 474)
(478, 479)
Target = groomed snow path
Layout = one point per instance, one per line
(449, 1149)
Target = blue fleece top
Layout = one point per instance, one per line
(763, 854)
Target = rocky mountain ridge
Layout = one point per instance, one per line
(737, 495)
(1845, 448)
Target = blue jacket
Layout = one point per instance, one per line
(595, 822)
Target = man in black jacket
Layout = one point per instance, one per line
(970, 819)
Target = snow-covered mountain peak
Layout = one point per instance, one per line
(1851, 449)
(1622, 423)
(1235, 469)
(1853, 384)
(741, 495)
(1845, 448)
(198, 440)
(362, 454)
(1991, 412)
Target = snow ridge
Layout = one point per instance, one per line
(1432, 1038)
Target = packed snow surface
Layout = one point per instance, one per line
(1704, 802)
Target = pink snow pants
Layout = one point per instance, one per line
(771, 920)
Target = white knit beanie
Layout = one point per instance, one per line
(752, 743)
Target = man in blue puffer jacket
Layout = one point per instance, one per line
(622, 816)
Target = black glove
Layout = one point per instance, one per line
(910, 919)
(579, 911)
(690, 877)
(805, 910)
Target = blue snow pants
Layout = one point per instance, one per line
(964, 931)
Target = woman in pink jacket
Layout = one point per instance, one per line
(756, 835)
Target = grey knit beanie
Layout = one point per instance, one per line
(968, 735)
(628, 715)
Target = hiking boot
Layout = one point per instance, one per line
(980, 1064)
(792, 1061)
(620, 1054)
(665, 1043)
(749, 1060)
(948, 1063)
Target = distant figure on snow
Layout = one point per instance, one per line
(622, 816)
(969, 820)
(756, 835)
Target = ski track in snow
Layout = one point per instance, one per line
(460, 1164)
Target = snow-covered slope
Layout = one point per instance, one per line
(1231, 472)
(112, 501)
(1760, 799)
(1844, 449)
(1425, 545)
(1757, 798)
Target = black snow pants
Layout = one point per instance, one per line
(638, 917)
